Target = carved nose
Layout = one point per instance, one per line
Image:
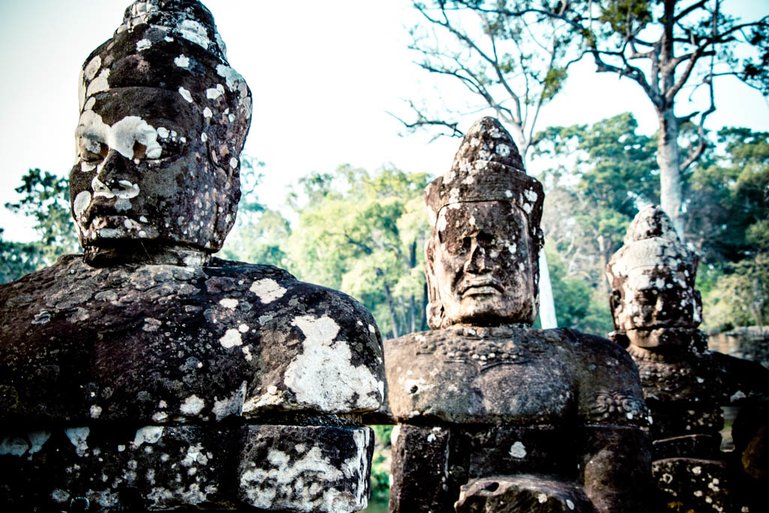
(478, 261)
(113, 178)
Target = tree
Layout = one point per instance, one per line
(670, 48)
(596, 177)
(364, 234)
(260, 233)
(45, 199)
(514, 65)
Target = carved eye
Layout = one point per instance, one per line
(92, 150)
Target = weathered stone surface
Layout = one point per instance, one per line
(549, 413)
(522, 494)
(696, 485)
(163, 118)
(512, 375)
(656, 312)
(316, 469)
(421, 479)
(162, 343)
(120, 468)
(160, 468)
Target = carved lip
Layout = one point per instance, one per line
(481, 286)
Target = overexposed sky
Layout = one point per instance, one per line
(324, 75)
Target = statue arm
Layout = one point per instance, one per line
(616, 468)
(616, 456)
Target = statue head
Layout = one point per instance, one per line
(482, 256)
(652, 280)
(163, 119)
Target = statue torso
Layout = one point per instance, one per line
(156, 343)
(511, 375)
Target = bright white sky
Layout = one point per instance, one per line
(324, 75)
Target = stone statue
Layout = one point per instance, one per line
(147, 375)
(497, 416)
(656, 311)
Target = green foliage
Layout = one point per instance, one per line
(597, 177)
(578, 305)
(740, 297)
(18, 259)
(364, 234)
(44, 197)
(380, 465)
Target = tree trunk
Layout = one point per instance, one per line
(393, 313)
(669, 162)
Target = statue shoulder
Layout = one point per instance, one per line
(609, 385)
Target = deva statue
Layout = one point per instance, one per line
(147, 375)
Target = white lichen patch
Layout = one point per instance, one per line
(185, 94)
(229, 303)
(121, 137)
(323, 374)
(182, 61)
(194, 31)
(503, 150)
(163, 132)
(213, 93)
(230, 406)
(95, 411)
(81, 202)
(231, 77)
(143, 44)
(37, 440)
(192, 405)
(91, 68)
(267, 290)
(207, 113)
(13, 446)
(78, 437)
(518, 450)
(98, 84)
(147, 435)
(231, 339)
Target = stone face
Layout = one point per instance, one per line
(498, 416)
(652, 278)
(164, 344)
(163, 118)
(482, 257)
(656, 312)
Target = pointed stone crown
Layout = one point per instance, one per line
(488, 167)
(173, 45)
(651, 241)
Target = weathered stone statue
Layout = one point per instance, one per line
(147, 375)
(497, 416)
(656, 312)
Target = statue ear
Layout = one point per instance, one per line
(615, 302)
(435, 312)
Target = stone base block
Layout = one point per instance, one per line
(689, 484)
(522, 494)
(109, 469)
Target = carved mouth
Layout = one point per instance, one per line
(481, 287)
